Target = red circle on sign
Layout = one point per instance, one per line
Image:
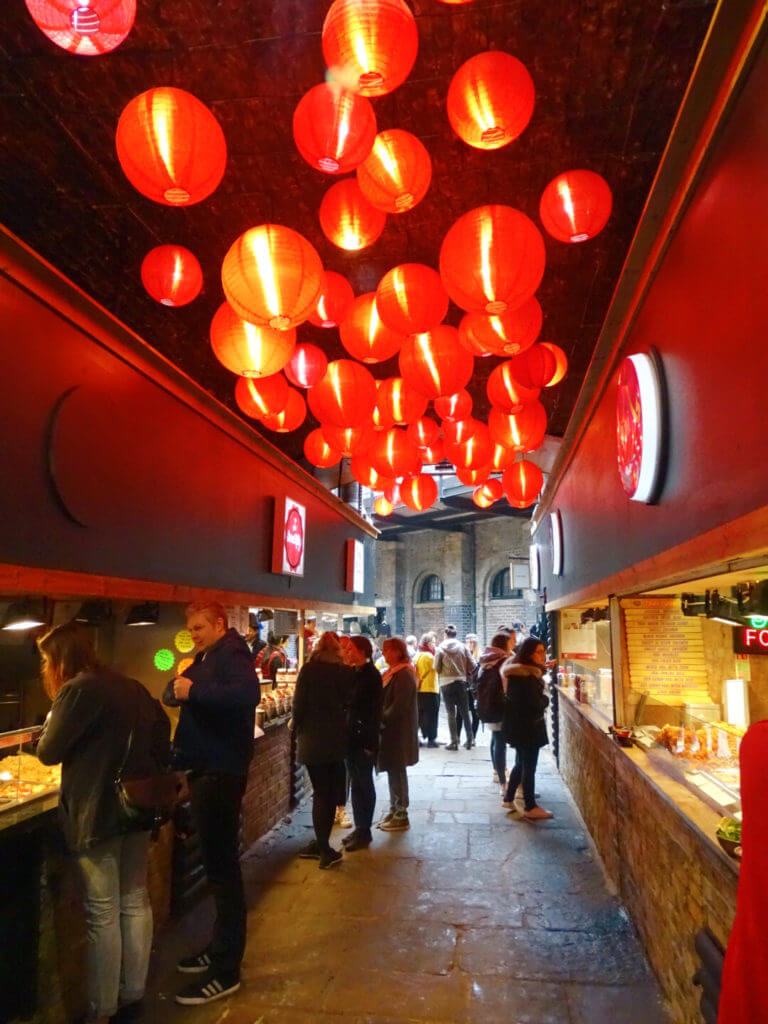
(629, 427)
(294, 539)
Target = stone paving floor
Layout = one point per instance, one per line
(470, 916)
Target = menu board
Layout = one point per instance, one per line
(665, 651)
(578, 640)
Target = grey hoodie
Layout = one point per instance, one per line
(452, 661)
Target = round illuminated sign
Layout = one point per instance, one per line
(294, 539)
(184, 641)
(641, 426)
(183, 665)
(164, 659)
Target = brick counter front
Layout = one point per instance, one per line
(268, 793)
(672, 877)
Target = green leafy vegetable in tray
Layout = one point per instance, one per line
(729, 829)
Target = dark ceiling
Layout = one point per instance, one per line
(609, 78)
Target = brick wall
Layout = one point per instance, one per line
(268, 792)
(672, 879)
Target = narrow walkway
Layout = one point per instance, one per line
(469, 916)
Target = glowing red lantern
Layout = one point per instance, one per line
(307, 365)
(382, 507)
(474, 452)
(506, 392)
(507, 334)
(435, 363)
(394, 454)
(501, 457)
(460, 431)
(365, 335)
(418, 492)
(492, 259)
(345, 396)
(522, 483)
(333, 128)
(392, 493)
(395, 175)
(454, 407)
(561, 360)
(349, 440)
(333, 300)
(172, 275)
(433, 453)
(411, 298)
(263, 397)
(575, 206)
(289, 418)
(535, 367)
(362, 470)
(398, 403)
(318, 451)
(348, 219)
(488, 493)
(473, 477)
(85, 27)
(522, 431)
(171, 147)
(370, 45)
(490, 100)
(423, 432)
(272, 275)
(248, 350)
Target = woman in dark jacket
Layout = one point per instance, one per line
(399, 745)
(524, 727)
(87, 730)
(320, 722)
(364, 726)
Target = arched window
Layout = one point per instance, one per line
(501, 589)
(431, 590)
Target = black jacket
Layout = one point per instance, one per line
(365, 708)
(216, 725)
(87, 733)
(320, 708)
(525, 702)
(399, 745)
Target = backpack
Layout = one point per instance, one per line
(489, 701)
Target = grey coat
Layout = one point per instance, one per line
(320, 716)
(399, 745)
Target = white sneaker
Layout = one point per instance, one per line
(496, 778)
(342, 819)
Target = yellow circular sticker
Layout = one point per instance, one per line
(183, 665)
(184, 641)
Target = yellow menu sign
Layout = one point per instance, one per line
(665, 650)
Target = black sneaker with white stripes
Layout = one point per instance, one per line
(194, 964)
(208, 989)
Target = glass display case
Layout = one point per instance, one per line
(23, 778)
(584, 658)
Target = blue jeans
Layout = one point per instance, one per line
(524, 771)
(119, 918)
(398, 789)
(360, 773)
(499, 755)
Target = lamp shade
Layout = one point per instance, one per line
(522, 483)
(488, 493)
(460, 431)
(333, 300)
(307, 365)
(492, 259)
(370, 45)
(318, 451)
(418, 492)
(454, 407)
(22, 615)
(508, 333)
(575, 206)
(248, 350)
(490, 100)
(333, 128)
(435, 363)
(272, 275)
(171, 147)
(394, 454)
(474, 452)
(395, 175)
(506, 392)
(536, 367)
(400, 403)
(263, 397)
(522, 431)
(348, 219)
(345, 396)
(562, 362)
(350, 440)
(289, 418)
(473, 477)
(85, 27)
(365, 335)
(362, 470)
(382, 507)
(411, 298)
(172, 275)
(424, 432)
(433, 453)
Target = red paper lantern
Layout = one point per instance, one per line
(435, 363)
(350, 440)
(246, 349)
(433, 453)
(411, 298)
(394, 454)
(333, 128)
(362, 470)
(398, 403)
(560, 358)
(382, 507)
(291, 417)
(472, 453)
(365, 335)
(522, 431)
(85, 27)
(418, 492)
(575, 206)
(501, 457)
(392, 493)
(492, 260)
(424, 432)
(454, 407)
(488, 493)
(307, 365)
(171, 147)
(490, 100)
(348, 219)
(395, 175)
(522, 483)
(473, 477)
(535, 368)
(506, 392)
(333, 300)
(507, 334)
(272, 275)
(460, 431)
(318, 451)
(263, 397)
(345, 396)
(172, 275)
(370, 45)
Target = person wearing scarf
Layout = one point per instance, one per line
(399, 746)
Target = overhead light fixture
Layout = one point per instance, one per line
(723, 609)
(94, 613)
(693, 604)
(22, 615)
(146, 614)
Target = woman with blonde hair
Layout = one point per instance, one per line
(399, 745)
